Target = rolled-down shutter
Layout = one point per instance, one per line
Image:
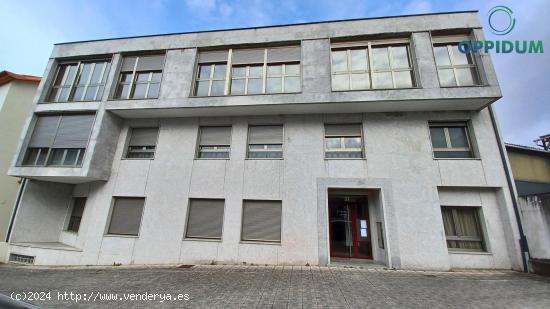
(248, 56)
(265, 135)
(126, 216)
(205, 219)
(215, 136)
(213, 56)
(44, 131)
(74, 131)
(343, 130)
(150, 63)
(262, 220)
(284, 54)
(144, 137)
(128, 64)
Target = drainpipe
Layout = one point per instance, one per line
(522, 239)
(16, 206)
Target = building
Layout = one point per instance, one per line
(16, 102)
(531, 169)
(289, 145)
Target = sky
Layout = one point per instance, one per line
(31, 27)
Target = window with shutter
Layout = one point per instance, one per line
(77, 211)
(142, 143)
(205, 218)
(140, 77)
(59, 140)
(214, 142)
(265, 142)
(343, 141)
(261, 221)
(450, 140)
(126, 216)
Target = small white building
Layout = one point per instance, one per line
(16, 102)
(369, 139)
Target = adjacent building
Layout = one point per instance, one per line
(531, 169)
(369, 139)
(16, 102)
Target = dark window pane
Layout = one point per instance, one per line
(56, 158)
(452, 154)
(352, 142)
(333, 143)
(30, 156)
(438, 137)
(458, 137)
(122, 91)
(71, 157)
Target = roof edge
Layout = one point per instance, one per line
(270, 26)
(7, 76)
(527, 148)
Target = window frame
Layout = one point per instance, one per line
(342, 143)
(127, 147)
(482, 239)
(370, 70)
(265, 148)
(446, 125)
(216, 148)
(70, 211)
(109, 217)
(229, 73)
(187, 217)
(449, 41)
(210, 78)
(134, 76)
(73, 85)
(261, 241)
(50, 149)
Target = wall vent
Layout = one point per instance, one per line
(19, 258)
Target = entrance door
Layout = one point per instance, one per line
(349, 227)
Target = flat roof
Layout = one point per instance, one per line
(271, 26)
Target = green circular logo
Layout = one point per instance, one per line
(511, 20)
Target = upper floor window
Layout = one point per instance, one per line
(451, 140)
(142, 143)
(79, 81)
(454, 67)
(372, 65)
(214, 142)
(140, 77)
(265, 142)
(59, 140)
(343, 141)
(251, 71)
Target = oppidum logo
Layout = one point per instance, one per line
(501, 22)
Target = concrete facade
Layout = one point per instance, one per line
(405, 185)
(16, 102)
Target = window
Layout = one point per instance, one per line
(252, 71)
(79, 81)
(265, 142)
(59, 140)
(371, 65)
(261, 221)
(451, 140)
(380, 235)
(214, 142)
(142, 143)
(205, 219)
(126, 216)
(463, 228)
(454, 68)
(140, 77)
(343, 141)
(76, 214)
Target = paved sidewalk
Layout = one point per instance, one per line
(279, 287)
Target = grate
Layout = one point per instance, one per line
(19, 258)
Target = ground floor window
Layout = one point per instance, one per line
(205, 218)
(261, 221)
(126, 216)
(463, 228)
(76, 214)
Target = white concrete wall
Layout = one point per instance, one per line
(398, 150)
(535, 214)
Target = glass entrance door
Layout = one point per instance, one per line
(349, 227)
